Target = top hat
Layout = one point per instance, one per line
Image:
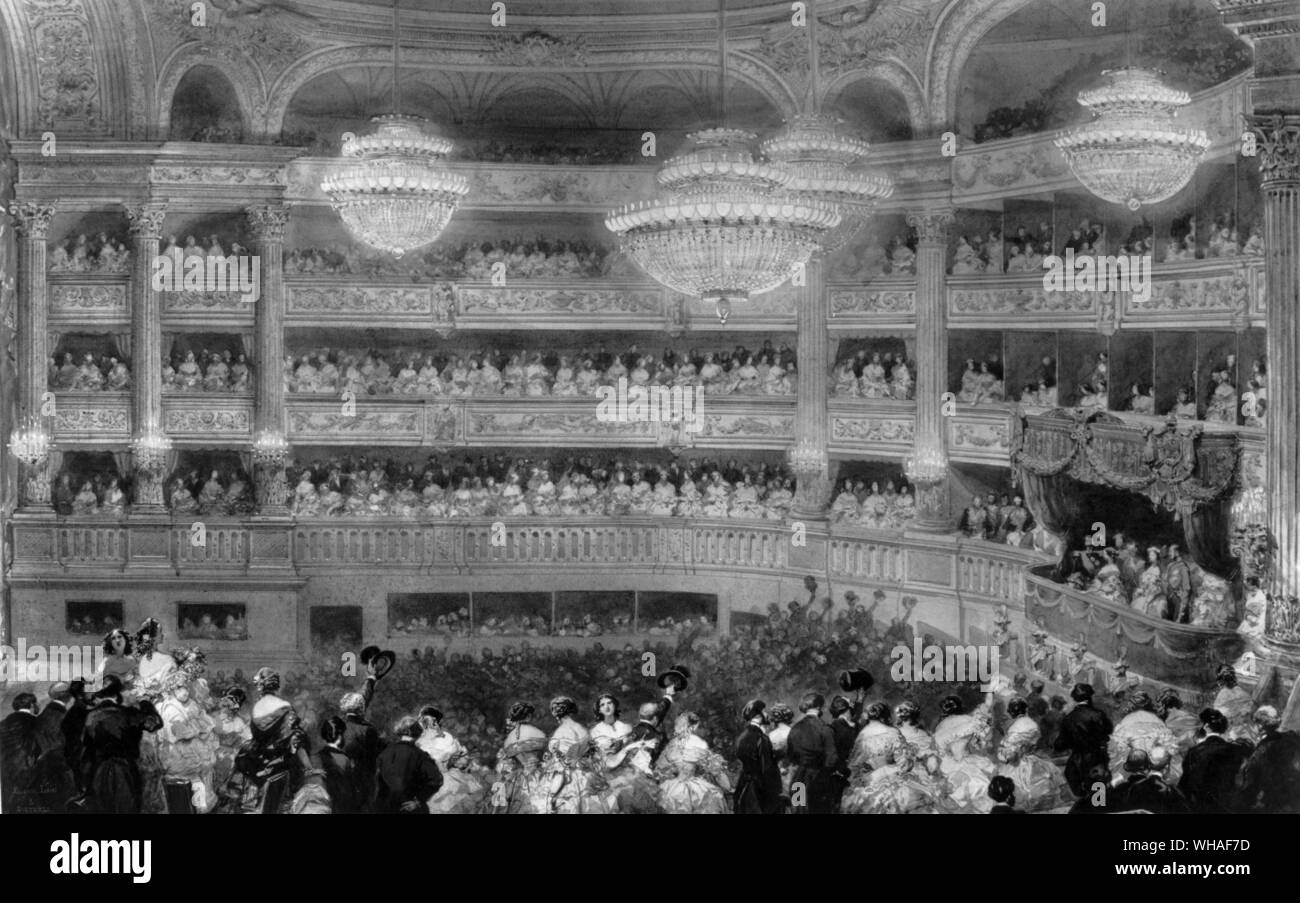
(384, 660)
(857, 679)
(680, 675)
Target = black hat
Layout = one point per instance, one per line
(384, 659)
(857, 679)
(752, 709)
(112, 687)
(680, 675)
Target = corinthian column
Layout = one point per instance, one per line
(32, 219)
(808, 458)
(928, 466)
(150, 447)
(270, 449)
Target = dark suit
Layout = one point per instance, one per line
(1084, 732)
(340, 781)
(20, 749)
(1210, 773)
(758, 789)
(112, 755)
(845, 734)
(405, 774)
(362, 744)
(1004, 809)
(810, 747)
(1151, 793)
(1269, 780)
(74, 726)
(54, 769)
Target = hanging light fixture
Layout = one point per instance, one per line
(1132, 152)
(820, 159)
(150, 448)
(396, 195)
(725, 229)
(30, 443)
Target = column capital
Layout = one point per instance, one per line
(1279, 146)
(268, 221)
(145, 219)
(932, 225)
(32, 218)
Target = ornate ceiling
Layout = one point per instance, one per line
(893, 68)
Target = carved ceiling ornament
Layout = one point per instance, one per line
(68, 91)
(537, 48)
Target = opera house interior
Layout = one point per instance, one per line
(332, 323)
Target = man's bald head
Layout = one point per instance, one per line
(649, 711)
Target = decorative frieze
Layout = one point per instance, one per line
(108, 300)
(477, 301)
(206, 422)
(309, 424)
(872, 429)
(351, 299)
(97, 420)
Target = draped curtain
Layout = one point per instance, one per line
(1206, 531)
(1051, 500)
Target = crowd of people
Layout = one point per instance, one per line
(892, 509)
(490, 371)
(149, 733)
(102, 494)
(540, 258)
(225, 491)
(1161, 581)
(1007, 521)
(109, 374)
(458, 624)
(207, 371)
(84, 254)
(882, 376)
(526, 487)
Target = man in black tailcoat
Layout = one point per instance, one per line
(54, 769)
(758, 789)
(652, 716)
(1210, 767)
(361, 741)
(1084, 733)
(844, 727)
(1146, 789)
(810, 748)
(406, 776)
(111, 756)
(20, 749)
(1270, 779)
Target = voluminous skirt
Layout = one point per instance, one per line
(152, 775)
(522, 793)
(462, 793)
(631, 791)
(577, 789)
(695, 795)
(968, 782)
(889, 791)
(1039, 784)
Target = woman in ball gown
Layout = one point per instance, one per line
(1149, 597)
(745, 503)
(463, 790)
(521, 787)
(182, 500)
(117, 660)
(232, 732)
(631, 791)
(154, 671)
(717, 496)
(690, 502)
(575, 782)
(962, 741)
(845, 506)
(1236, 704)
(873, 384)
(1222, 406)
(694, 780)
(277, 751)
(882, 781)
(903, 385)
(781, 717)
(189, 743)
(970, 385)
(1040, 785)
(907, 716)
(212, 494)
(1142, 729)
(85, 502)
(846, 381)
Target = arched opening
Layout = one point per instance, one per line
(873, 108)
(205, 108)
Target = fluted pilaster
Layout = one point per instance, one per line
(809, 459)
(928, 465)
(146, 223)
(267, 222)
(32, 220)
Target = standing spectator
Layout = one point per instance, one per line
(1145, 788)
(811, 749)
(1269, 781)
(20, 749)
(406, 776)
(1002, 790)
(54, 770)
(844, 727)
(112, 750)
(340, 775)
(758, 789)
(1084, 733)
(361, 742)
(1210, 767)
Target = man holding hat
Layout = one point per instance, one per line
(758, 789)
(1085, 732)
(811, 750)
(652, 716)
(112, 750)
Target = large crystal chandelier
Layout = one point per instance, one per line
(395, 195)
(926, 465)
(30, 443)
(151, 448)
(819, 159)
(725, 229)
(1132, 152)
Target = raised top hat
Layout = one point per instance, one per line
(857, 679)
(384, 659)
(680, 676)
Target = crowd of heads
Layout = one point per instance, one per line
(872, 507)
(86, 254)
(875, 375)
(537, 373)
(207, 371)
(540, 258)
(108, 373)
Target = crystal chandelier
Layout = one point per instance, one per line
(1132, 152)
(150, 449)
(724, 231)
(928, 465)
(270, 448)
(395, 194)
(30, 443)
